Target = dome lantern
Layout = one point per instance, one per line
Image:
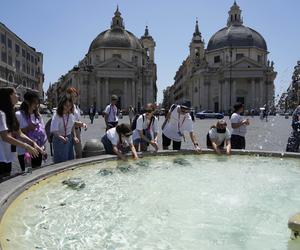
(235, 15)
(117, 20)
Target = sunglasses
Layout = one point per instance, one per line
(127, 135)
(149, 111)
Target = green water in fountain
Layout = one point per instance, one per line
(207, 202)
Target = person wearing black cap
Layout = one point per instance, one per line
(111, 113)
(178, 120)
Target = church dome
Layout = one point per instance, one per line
(236, 34)
(116, 37)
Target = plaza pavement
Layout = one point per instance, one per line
(261, 135)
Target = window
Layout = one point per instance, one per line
(35, 61)
(239, 56)
(23, 53)
(4, 56)
(32, 72)
(18, 65)
(24, 68)
(9, 43)
(259, 58)
(28, 70)
(28, 56)
(3, 38)
(17, 48)
(10, 60)
(32, 59)
(217, 59)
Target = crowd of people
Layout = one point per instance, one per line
(24, 132)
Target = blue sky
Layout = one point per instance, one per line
(63, 29)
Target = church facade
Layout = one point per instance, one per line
(117, 63)
(234, 67)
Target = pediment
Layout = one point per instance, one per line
(114, 63)
(246, 63)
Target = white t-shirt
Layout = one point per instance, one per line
(242, 130)
(178, 124)
(112, 112)
(218, 138)
(62, 125)
(142, 124)
(113, 136)
(24, 123)
(77, 113)
(5, 148)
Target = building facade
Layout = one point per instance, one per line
(234, 67)
(290, 99)
(21, 66)
(117, 63)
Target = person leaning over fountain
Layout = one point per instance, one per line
(73, 94)
(219, 136)
(146, 130)
(239, 127)
(178, 120)
(118, 140)
(32, 125)
(63, 130)
(9, 129)
(111, 113)
(294, 139)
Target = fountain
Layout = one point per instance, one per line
(171, 200)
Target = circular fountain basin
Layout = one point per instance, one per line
(180, 201)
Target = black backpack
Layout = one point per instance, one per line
(133, 125)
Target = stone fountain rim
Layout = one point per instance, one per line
(12, 188)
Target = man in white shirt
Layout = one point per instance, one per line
(146, 130)
(178, 120)
(111, 113)
(219, 136)
(239, 127)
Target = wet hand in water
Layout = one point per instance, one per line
(154, 145)
(198, 149)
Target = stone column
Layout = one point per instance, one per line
(98, 95)
(261, 94)
(226, 95)
(253, 96)
(220, 96)
(233, 93)
(133, 102)
(107, 97)
(125, 95)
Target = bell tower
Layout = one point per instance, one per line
(148, 44)
(197, 46)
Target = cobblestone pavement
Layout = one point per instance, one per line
(261, 135)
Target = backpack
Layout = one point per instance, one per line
(133, 125)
